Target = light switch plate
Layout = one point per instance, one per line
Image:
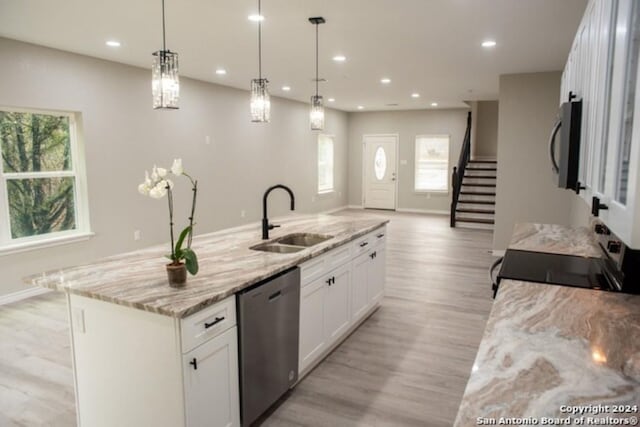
(403, 162)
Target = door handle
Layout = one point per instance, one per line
(552, 146)
(215, 322)
(596, 206)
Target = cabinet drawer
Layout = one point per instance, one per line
(339, 256)
(312, 269)
(361, 245)
(206, 324)
(378, 236)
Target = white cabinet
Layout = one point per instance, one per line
(210, 382)
(337, 293)
(137, 368)
(324, 313)
(602, 69)
(312, 312)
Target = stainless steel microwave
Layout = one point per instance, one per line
(565, 159)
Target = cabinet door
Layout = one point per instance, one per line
(359, 298)
(312, 336)
(211, 382)
(337, 303)
(376, 274)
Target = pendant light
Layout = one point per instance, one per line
(165, 82)
(316, 117)
(260, 102)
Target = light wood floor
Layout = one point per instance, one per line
(407, 365)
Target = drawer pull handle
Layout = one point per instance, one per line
(380, 236)
(194, 363)
(373, 255)
(275, 295)
(215, 322)
(331, 280)
(363, 244)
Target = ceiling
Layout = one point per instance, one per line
(430, 47)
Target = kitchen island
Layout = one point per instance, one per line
(148, 354)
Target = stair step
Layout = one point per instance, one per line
(477, 202)
(478, 193)
(480, 176)
(476, 220)
(482, 169)
(471, 184)
(476, 211)
(483, 161)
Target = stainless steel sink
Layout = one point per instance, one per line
(277, 248)
(303, 239)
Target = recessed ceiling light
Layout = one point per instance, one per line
(360, 107)
(286, 88)
(221, 71)
(434, 104)
(331, 100)
(113, 43)
(415, 95)
(256, 18)
(488, 43)
(385, 81)
(339, 58)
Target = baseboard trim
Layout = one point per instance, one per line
(497, 253)
(355, 207)
(24, 294)
(423, 211)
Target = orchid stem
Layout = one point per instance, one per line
(170, 199)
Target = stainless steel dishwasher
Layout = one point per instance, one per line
(269, 323)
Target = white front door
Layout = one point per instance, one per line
(380, 171)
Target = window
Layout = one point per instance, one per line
(42, 188)
(432, 163)
(325, 164)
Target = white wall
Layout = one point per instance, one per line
(486, 129)
(526, 188)
(124, 136)
(407, 124)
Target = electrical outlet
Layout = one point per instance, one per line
(339, 193)
(403, 162)
(313, 199)
(207, 140)
(137, 235)
(243, 213)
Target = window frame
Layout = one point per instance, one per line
(415, 164)
(333, 162)
(82, 231)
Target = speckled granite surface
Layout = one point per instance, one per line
(227, 265)
(555, 239)
(547, 346)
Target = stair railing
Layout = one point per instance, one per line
(458, 171)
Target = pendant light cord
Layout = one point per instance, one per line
(316, 59)
(259, 39)
(164, 35)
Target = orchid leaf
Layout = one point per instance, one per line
(191, 261)
(180, 241)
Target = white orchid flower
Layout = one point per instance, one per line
(176, 168)
(158, 192)
(162, 172)
(154, 174)
(147, 180)
(143, 189)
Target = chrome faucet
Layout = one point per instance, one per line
(265, 221)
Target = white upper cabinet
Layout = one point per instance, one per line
(602, 70)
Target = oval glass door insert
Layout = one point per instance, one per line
(380, 163)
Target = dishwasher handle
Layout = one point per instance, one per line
(494, 282)
(215, 322)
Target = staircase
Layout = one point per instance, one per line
(477, 199)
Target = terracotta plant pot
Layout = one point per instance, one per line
(177, 274)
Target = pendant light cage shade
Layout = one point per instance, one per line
(165, 81)
(260, 101)
(316, 116)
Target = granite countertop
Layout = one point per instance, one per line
(138, 279)
(555, 239)
(548, 346)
